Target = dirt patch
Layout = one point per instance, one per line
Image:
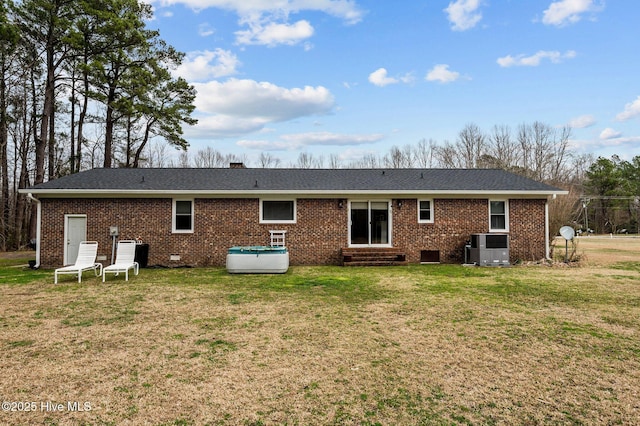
(27, 254)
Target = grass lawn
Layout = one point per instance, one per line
(424, 344)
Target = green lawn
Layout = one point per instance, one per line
(424, 344)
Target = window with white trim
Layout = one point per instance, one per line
(498, 215)
(425, 211)
(182, 216)
(277, 211)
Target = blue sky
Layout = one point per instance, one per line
(356, 77)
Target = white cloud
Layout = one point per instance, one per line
(609, 133)
(237, 107)
(333, 139)
(379, 78)
(205, 30)
(632, 109)
(300, 140)
(356, 154)
(249, 98)
(344, 9)
(442, 74)
(535, 60)
(566, 12)
(408, 78)
(200, 66)
(262, 145)
(273, 34)
(582, 122)
(267, 20)
(625, 147)
(221, 125)
(463, 14)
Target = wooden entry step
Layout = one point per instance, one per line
(373, 256)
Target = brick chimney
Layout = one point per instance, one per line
(237, 166)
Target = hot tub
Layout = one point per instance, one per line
(257, 260)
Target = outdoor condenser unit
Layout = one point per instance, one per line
(489, 249)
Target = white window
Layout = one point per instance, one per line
(277, 211)
(425, 211)
(498, 215)
(182, 216)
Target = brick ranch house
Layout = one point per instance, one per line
(192, 216)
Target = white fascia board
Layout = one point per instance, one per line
(109, 193)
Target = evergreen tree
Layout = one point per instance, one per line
(44, 24)
(8, 40)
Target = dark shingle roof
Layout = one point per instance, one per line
(244, 180)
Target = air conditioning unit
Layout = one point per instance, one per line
(489, 249)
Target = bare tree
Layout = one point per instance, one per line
(183, 161)
(157, 154)
(395, 159)
(334, 161)
(267, 160)
(369, 161)
(542, 144)
(21, 130)
(578, 169)
(308, 161)
(424, 153)
(543, 152)
(502, 148)
(560, 156)
(471, 145)
(208, 157)
(448, 156)
(525, 145)
(398, 158)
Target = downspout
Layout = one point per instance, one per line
(546, 228)
(38, 227)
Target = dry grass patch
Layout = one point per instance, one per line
(433, 344)
(602, 250)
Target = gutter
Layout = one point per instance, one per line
(264, 192)
(38, 227)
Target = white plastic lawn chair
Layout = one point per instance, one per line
(86, 260)
(125, 256)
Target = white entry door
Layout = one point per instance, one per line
(75, 231)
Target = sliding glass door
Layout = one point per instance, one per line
(370, 223)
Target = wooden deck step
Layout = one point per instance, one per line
(376, 263)
(373, 256)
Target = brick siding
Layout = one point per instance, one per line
(320, 231)
(527, 229)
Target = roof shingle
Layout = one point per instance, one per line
(292, 180)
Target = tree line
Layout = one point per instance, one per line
(610, 201)
(83, 84)
(537, 150)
